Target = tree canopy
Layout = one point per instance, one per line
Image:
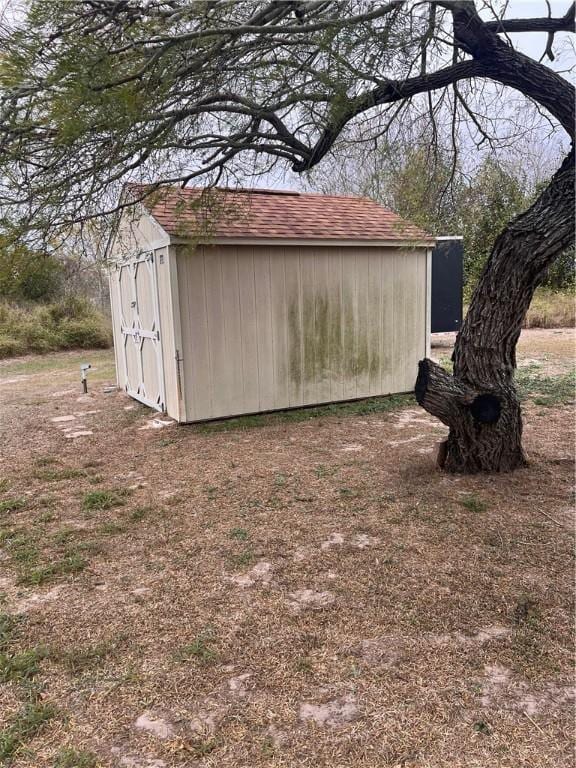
(93, 92)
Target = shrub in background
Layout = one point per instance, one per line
(35, 313)
(562, 273)
(551, 309)
(67, 324)
(26, 274)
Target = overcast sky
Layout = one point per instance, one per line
(534, 43)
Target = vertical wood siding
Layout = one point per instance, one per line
(137, 232)
(162, 257)
(266, 327)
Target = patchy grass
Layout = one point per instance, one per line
(46, 461)
(102, 500)
(240, 534)
(20, 667)
(532, 637)
(546, 390)
(36, 564)
(64, 536)
(70, 564)
(23, 726)
(349, 493)
(45, 517)
(140, 513)
(200, 649)
(323, 471)
(364, 407)
(8, 629)
(19, 545)
(57, 475)
(527, 611)
(201, 747)
(241, 560)
(79, 660)
(385, 580)
(474, 504)
(74, 758)
(112, 528)
(12, 505)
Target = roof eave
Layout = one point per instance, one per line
(340, 243)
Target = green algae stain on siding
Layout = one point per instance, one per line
(309, 338)
(362, 363)
(375, 330)
(335, 337)
(321, 336)
(327, 340)
(348, 335)
(294, 341)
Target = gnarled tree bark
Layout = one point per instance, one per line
(479, 402)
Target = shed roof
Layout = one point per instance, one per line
(273, 214)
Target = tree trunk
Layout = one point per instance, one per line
(479, 401)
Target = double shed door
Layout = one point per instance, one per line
(140, 341)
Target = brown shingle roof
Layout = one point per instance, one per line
(271, 214)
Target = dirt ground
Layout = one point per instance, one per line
(300, 593)
(551, 349)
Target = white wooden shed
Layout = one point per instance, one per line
(274, 300)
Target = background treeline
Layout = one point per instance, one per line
(51, 299)
(477, 207)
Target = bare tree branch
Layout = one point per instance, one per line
(551, 25)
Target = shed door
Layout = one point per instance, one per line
(141, 342)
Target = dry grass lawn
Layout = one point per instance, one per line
(550, 309)
(279, 592)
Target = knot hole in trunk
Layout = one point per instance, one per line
(486, 409)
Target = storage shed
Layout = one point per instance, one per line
(245, 301)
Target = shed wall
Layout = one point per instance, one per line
(137, 232)
(272, 327)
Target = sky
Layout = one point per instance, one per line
(533, 44)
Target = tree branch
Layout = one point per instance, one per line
(439, 393)
(562, 24)
(508, 66)
(389, 92)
